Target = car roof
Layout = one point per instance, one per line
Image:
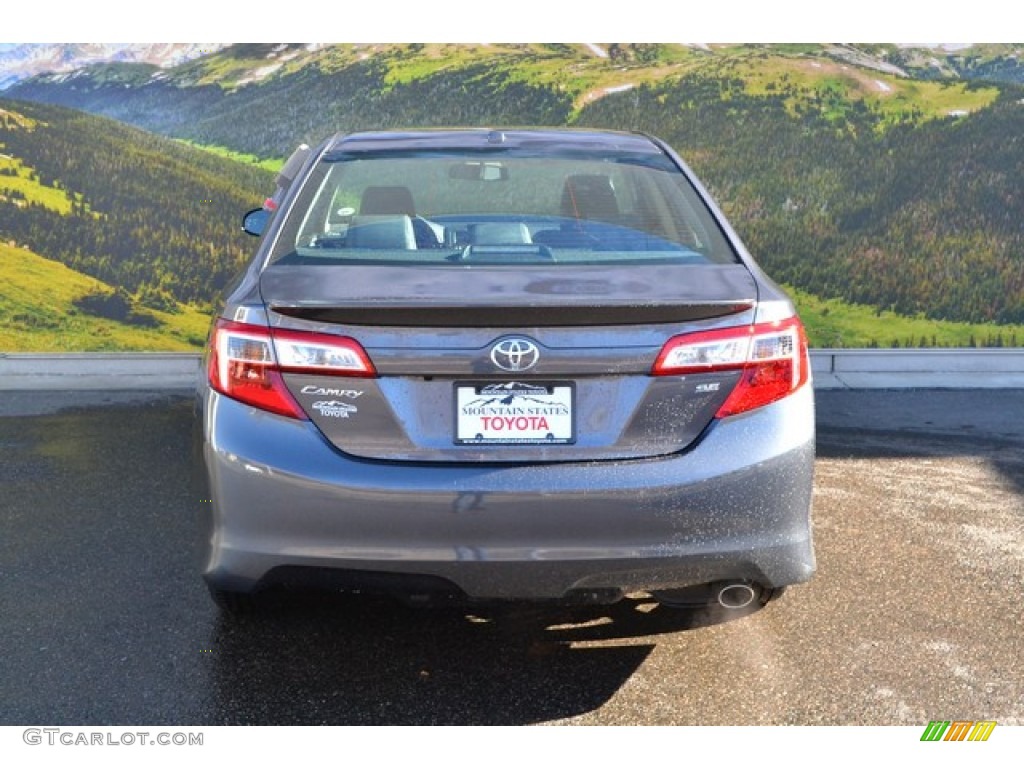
(483, 138)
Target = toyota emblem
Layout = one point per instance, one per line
(515, 354)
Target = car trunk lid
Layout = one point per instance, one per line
(433, 334)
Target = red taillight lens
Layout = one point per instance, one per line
(246, 362)
(772, 357)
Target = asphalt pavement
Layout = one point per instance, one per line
(914, 615)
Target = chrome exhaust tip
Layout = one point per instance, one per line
(737, 595)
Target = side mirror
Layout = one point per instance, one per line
(255, 221)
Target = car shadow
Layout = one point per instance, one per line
(871, 424)
(359, 660)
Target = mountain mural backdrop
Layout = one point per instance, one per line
(880, 183)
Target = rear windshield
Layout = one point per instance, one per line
(499, 207)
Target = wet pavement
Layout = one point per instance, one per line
(914, 615)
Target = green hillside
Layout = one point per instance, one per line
(142, 212)
(37, 304)
(264, 98)
(836, 323)
(880, 182)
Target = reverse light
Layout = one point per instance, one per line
(246, 362)
(772, 357)
(302, 352)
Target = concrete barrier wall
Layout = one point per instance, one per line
(96, 370)
(832, 368)
(918, 368)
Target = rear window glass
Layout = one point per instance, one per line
(499, 207)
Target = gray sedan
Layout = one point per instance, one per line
(505, 364)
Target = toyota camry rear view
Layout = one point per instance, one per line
(505, 364)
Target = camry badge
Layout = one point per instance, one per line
(515, 354)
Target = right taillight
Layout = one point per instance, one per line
(772, 359)
(246, 362)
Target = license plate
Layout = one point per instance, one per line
(512, 412)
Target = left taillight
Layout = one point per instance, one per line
(245, 362)
(772, 359)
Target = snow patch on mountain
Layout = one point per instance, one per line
(31, 59)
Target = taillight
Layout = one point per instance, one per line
(772, 357)
(246, 362)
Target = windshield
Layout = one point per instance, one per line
(510, 207)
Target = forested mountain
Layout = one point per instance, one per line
(130, 208)
(264, 98)
(918, 217)
(878, 174)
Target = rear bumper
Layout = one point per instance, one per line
(736, 506)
